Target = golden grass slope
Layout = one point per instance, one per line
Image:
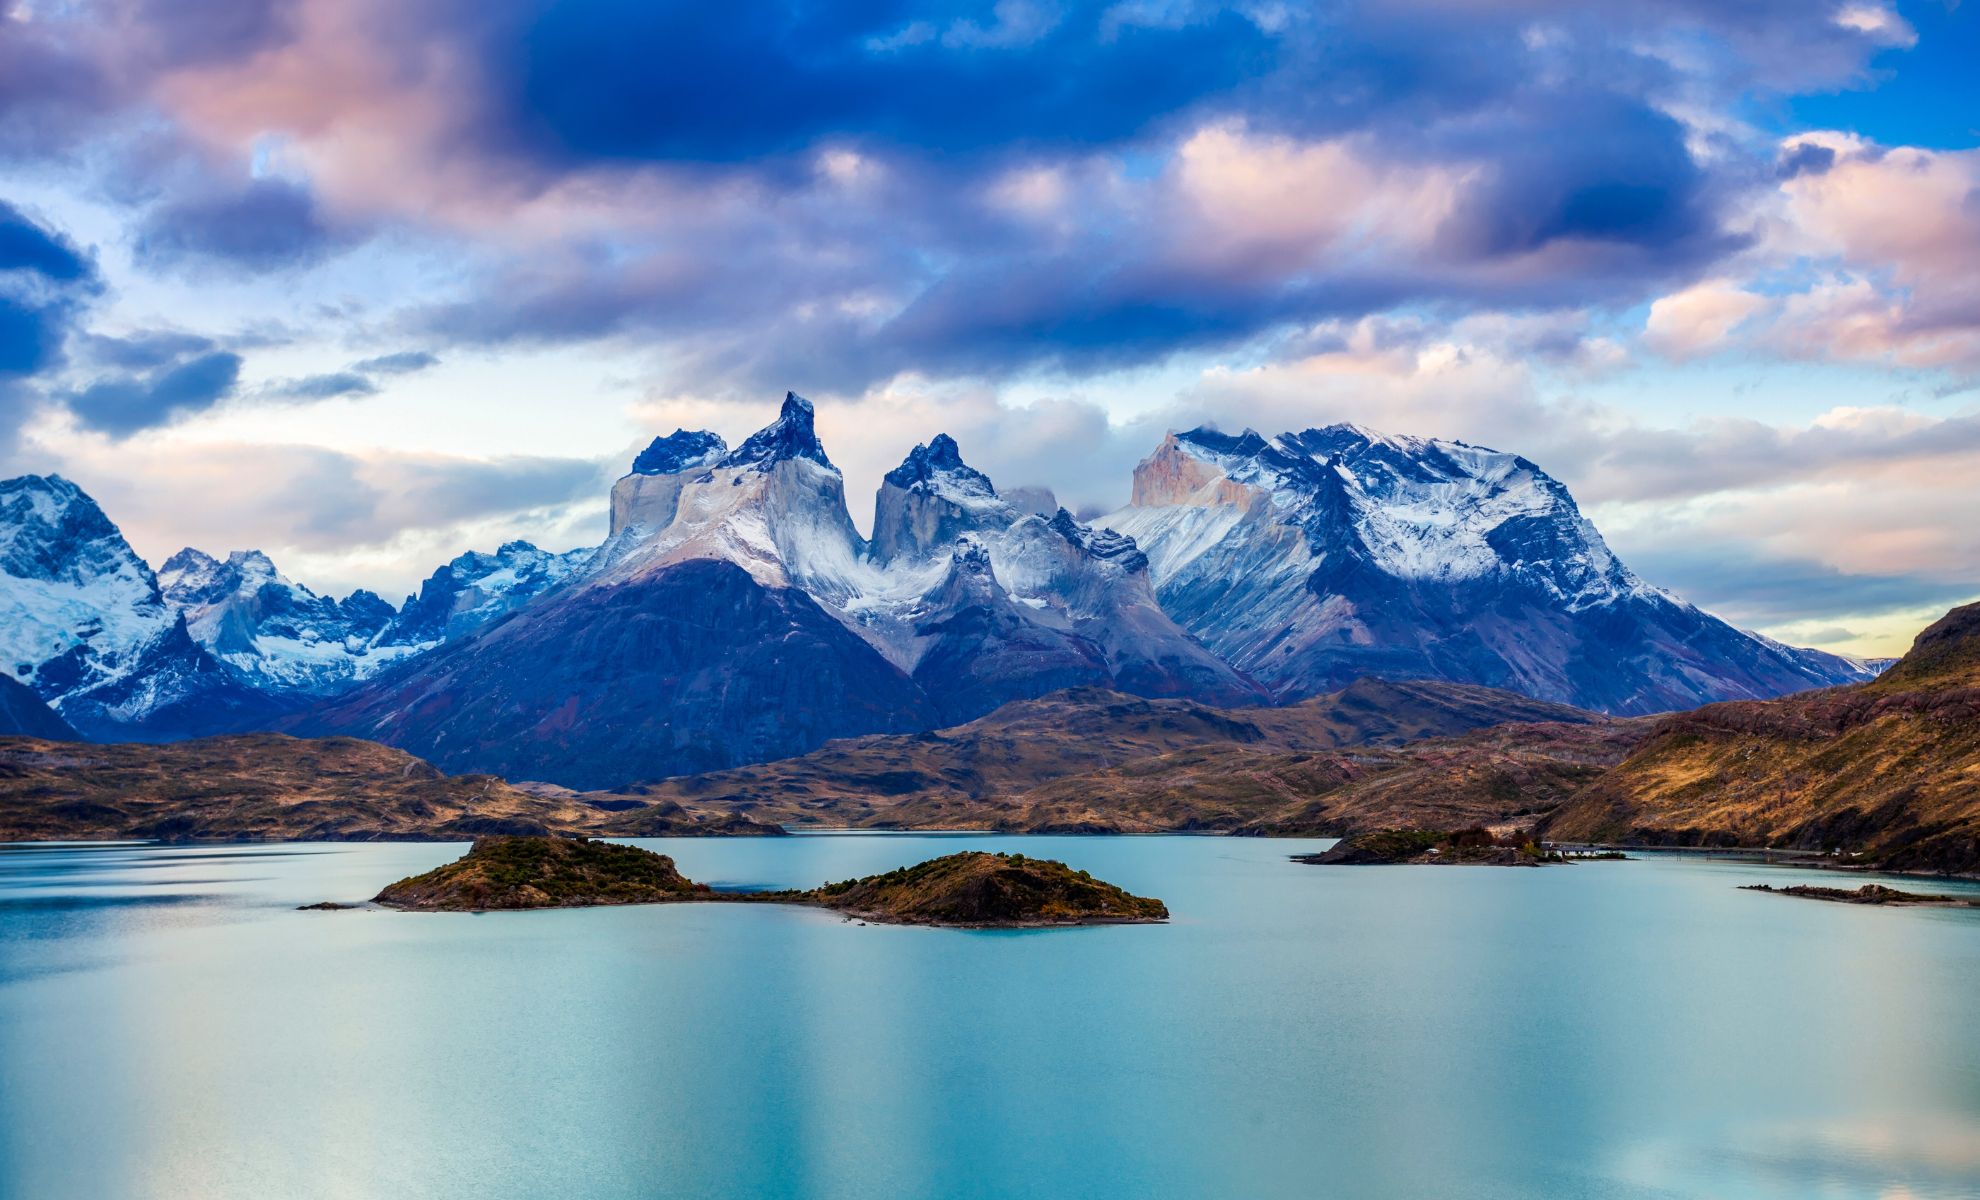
(269, 786)
(1885, 773)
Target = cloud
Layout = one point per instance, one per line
(266, 224)
(141, 350)
(1878, 23)
(405, 362)
(45, 280)
(1901, 228)
(334, 519)
(1700, 318)
(123, 405)
(321, 387)
(1871, 255)
(1073, 187)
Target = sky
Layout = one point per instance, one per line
(365, 284)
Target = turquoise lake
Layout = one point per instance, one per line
(170, 1026)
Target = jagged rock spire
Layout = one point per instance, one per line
(939, 463)
(790, 436)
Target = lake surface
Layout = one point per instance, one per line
(171, 1027)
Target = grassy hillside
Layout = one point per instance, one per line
(1886, 772)
(274, 787)
(989, 771)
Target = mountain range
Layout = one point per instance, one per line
(735, 614)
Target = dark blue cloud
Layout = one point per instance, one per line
(45, 280)
(1805, 158)
(182, 34)
(1579, 188)
(1598, 168)
(269, 223)
(140, 351)
(128, 404)
(694, 82)
(26, 246)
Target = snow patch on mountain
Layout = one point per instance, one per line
(84, 623)
(277, 634)
(476, 589)
(1312, 558)
(77, 605)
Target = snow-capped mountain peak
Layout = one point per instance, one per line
(681, 450)
(937, 466)
(76, 603)
(790, 436)
(276, 634)
(932, 498)
(1314, 557)
(774, 506)
(52, 531)
(474, 589)
(83, 621)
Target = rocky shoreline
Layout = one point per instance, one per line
(1869, 893)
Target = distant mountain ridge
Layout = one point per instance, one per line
(735, 613)
(84, 624)
(1315, 558)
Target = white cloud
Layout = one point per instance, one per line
(1699, 319)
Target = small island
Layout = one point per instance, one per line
(1869, 893)
(980, 890)
(500, 873)
(974, 889)
(1463, 847)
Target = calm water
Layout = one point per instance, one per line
(171, 1027)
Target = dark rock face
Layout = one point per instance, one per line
(679, 451)
(790, 436)
(23, 714)
(984, 651)
(692, 668)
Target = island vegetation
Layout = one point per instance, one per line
(980, 889)
(973, 889)
(1476, 846)
(544, 872)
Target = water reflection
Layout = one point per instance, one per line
(171, 1027)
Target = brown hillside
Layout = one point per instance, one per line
(973, 775)
(1887, 772)
(269, 786)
